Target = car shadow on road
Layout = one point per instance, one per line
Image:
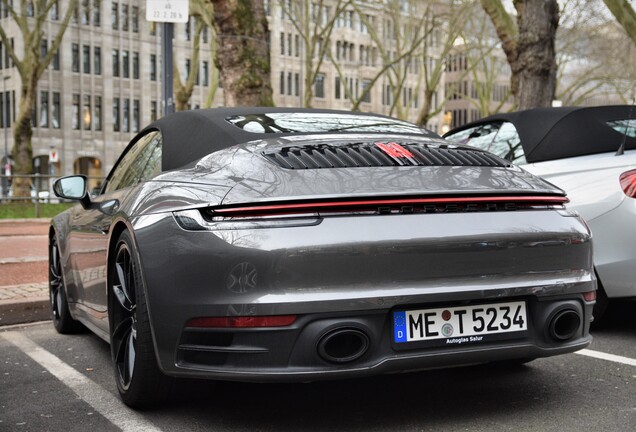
(386, 402)
(619, 318)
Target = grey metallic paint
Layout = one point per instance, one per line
(334, 271)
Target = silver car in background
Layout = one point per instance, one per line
(590, 152)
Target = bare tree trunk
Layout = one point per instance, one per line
(22, 155)
(529, 48)
(243, 54)
(536, 65)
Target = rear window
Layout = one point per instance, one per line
(307, 123)
(500, 138)
(627, 127)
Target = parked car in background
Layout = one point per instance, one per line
(590, 152)
(271, 244)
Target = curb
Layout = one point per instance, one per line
(24, 311)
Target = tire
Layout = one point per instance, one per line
(140, 382)
(60, 315)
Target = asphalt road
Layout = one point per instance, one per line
(50, 382)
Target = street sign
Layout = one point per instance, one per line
(170, 11)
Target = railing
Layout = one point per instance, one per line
(41, 186)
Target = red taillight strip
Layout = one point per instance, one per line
(628, 183)
(242, 321)
(309, 206)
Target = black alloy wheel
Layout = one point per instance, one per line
(124, 335)
(60, 315)
(139, 380)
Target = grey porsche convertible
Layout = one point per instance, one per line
(270, 244)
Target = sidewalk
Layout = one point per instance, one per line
(23, 271)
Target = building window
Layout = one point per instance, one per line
(34, 114)
(44, 48)
(125, 64)
(282, 83)
(116, 114)
(44, 109)
(115, 63)
(86, 59)
(134, 19)
(136, 115)
(337, 87)
(97, 15)
(135, 61)
(97, 118)
(86, 113)
(187, 69)
(206, 74)
(153, 110)
(188, 29)
(114, 16)
(125, 115)
(75, 14)
(205, 34)
(75, 58)
(75, 120)
(7, 109)
(289, 83)
(8, 61)
(320, 86)
(55, 111)
(124, 17)
(97, 60)
(54, 14)
(153, 67)
(366, 97)
(282, 44)
(1, 110)
(297, 46)
(296, 84)
(55, 62)
(84, 12)
(289, 44)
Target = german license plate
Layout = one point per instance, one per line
(459, 324)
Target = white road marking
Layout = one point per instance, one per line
(608, 357)
(92, 393)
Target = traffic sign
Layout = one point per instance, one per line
(171, 11)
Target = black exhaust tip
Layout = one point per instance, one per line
(565, 324)
(343, 345)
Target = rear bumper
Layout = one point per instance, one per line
(351, 273)
(293, 353)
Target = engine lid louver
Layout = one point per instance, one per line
(379, 154)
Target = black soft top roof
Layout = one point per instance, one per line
(191, 135)
(556, 133)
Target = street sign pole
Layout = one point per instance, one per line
(167, 12)
(168, 91)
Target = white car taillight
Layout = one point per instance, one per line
(628, 183)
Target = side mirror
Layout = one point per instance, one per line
(73, 188)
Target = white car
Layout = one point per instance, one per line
(590, 152)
